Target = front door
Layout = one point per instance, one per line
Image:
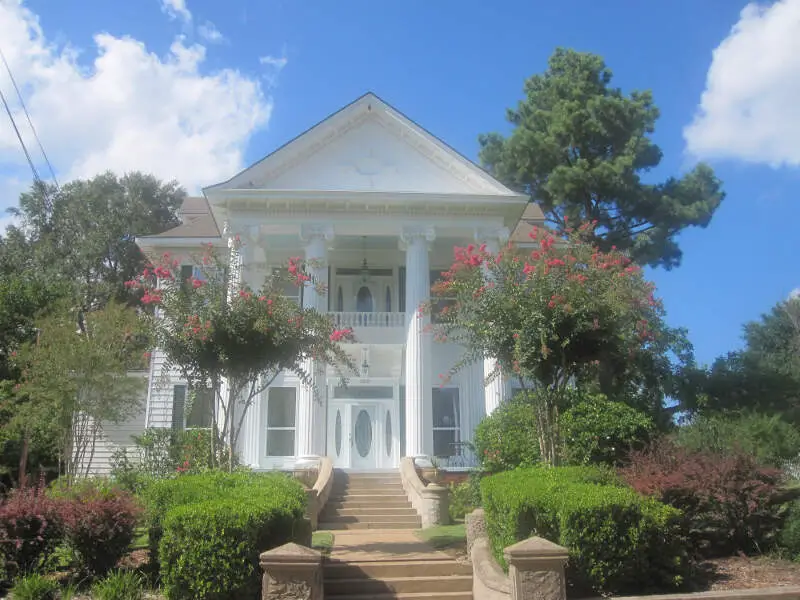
(362, 436)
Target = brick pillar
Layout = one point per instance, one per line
(291, 572)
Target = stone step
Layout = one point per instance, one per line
(391, 569)
(370, 518)
(403, 596)
(370, 525)
(395, 585)
(378, 509)
(382, 487)
(367, 495)
(385, 503)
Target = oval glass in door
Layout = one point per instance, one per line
(363, 433)
(337, 433)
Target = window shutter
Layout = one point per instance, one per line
(178, 406)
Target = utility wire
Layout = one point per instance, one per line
(28, 117)
(36, 177)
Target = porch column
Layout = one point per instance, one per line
(235, 270)
(494, 391)
(311, 401)
(419, 409)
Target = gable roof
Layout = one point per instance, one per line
(198, 221)
(270, 173)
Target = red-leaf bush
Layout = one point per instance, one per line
(99, 526)
(30, 528)
(730, 502)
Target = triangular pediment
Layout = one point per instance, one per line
(367, 146)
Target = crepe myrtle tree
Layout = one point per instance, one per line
(552, 316)
(223, 336)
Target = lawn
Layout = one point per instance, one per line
(445, 537)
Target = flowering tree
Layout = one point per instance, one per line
(222, 336)
(551, 316)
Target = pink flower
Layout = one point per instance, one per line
(341, 334)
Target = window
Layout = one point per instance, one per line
(188, 272)
(178, 406)
(364, 300)
(388, 299)
(281, 415)
(199, 415)
(446, 421)
(286, 286)
(438, 302)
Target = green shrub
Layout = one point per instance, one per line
(507, 438)
(460, 502)
(600, 431)
(119, 585)
(34, 587)
(210, 549)
(616, 539)
(767, 438)
(790, 534)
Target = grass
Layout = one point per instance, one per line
(445, 537)
(140, 539)
(322, 541)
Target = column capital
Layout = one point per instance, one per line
(499, 235)
(411, 234)
(316, 231)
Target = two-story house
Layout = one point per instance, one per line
(378, 203)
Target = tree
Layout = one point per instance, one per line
(556, 316)
(580, 148)
(224, 337)
(83, 233)
(76, 375)
(764, 376)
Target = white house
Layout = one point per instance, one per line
(380, 203)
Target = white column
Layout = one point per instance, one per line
(419, 409)
(494, 392)
(311, 401)
(235, 268)
(250, 436)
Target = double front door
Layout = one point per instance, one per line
(352, 435)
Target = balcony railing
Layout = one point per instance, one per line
(368, 319)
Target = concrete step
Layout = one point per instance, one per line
(370, 525)
(357, 504)
(381, 487)
(370, 518)
(403, 596)
(395, 585)
(391, 569)
(368, 495)
(378, 509)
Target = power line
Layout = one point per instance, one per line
(28, 117)
(36, 177)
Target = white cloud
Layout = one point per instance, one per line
(176, 9)
(209, 32)
(274, 65)
(127, 109)
(748, 110)
(795, 293)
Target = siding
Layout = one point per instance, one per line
(112, 438)
(159, 392)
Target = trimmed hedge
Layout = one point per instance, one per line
(618, 541)
(211, 528)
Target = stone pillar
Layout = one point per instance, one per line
(291, 572)
(494, 391)
(419, 409)
(311, 404)
(536, 569)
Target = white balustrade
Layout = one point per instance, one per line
(368, 319)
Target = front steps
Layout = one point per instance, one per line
(375, 556)
(368, 501)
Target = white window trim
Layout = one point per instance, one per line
(267, 427)
(456, 427)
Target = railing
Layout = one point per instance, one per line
(369, 319)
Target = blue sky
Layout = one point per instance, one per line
(202, 87)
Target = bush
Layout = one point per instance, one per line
(210, 548)
(616, 539)
(768, 438)
(120, 585)
(30, 528)
(34, 587)
(460, 502)
(790, 534)
(730, 502)
(507, 438)
(600, 431)
(99, 526)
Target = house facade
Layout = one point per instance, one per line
(377, 204)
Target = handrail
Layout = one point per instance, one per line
(368, 319)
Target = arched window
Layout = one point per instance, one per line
(339, 300)
(364, 300)
(388, 299)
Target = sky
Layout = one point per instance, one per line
(194, 90)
